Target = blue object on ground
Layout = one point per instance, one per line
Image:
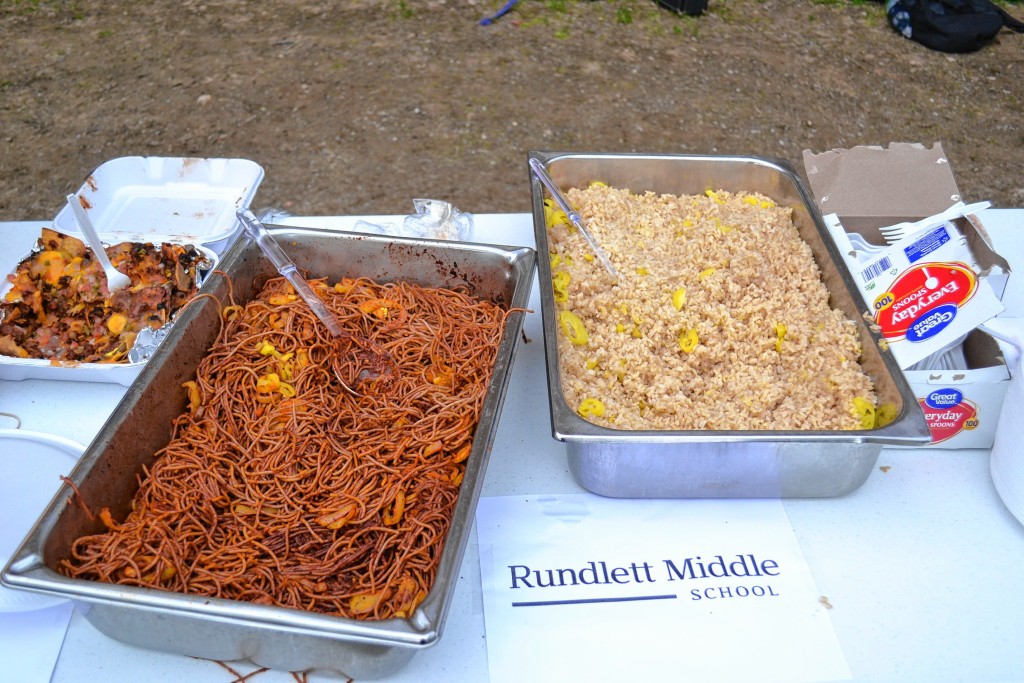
(499, 14)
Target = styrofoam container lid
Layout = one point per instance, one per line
(191, 198)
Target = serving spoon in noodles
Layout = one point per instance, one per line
(379, 360)
(273, 251)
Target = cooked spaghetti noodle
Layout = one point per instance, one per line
(311, 472)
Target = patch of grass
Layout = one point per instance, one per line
(25, 6)
(65, 8)
(624, 15)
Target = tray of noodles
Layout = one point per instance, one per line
(267, 492)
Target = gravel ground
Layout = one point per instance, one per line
(357, 106)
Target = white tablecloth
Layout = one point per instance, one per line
(921, 565)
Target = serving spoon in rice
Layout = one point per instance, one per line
(538, 169)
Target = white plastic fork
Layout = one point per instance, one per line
(894, 233)
(116, 280)
(865, 250)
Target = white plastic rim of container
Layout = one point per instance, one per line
(1007, 459)
(31, 464)
(191, 198)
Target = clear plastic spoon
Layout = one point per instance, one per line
(273, 251)
(116, 280)
(574, 216)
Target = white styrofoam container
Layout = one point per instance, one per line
(177, 200)
(193, 199)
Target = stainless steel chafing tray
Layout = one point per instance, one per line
(709, 463)
(229, 630)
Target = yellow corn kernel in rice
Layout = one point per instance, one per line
(573, 327)
(679, 298)
(591, 407)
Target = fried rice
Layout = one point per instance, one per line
(719, 319)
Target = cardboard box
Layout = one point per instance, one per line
(962, 406)
(869, 188)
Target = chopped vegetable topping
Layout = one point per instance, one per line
(864, 411)
(885, 414)
(117, 322)
(380, 308)
(688, 340)
(679, 298)
(573, 327)
(560, 284)
(591, 407)
(780, 335)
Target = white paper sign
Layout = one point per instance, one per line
(30, 642)
(581, 587)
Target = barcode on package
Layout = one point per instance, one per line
(876, 269)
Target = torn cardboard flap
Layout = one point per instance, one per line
(871, 186)
(991, 264)
(866, 188)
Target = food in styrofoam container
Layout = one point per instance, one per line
(193, 199)
(174, 200)
(59, 321)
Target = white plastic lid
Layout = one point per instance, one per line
(191, 198)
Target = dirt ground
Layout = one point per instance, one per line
(357, 107)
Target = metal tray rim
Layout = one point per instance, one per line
(909, 429)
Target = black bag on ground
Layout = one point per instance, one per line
(691, 7)
(950, 25)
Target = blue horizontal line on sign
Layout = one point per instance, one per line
(544, 603)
